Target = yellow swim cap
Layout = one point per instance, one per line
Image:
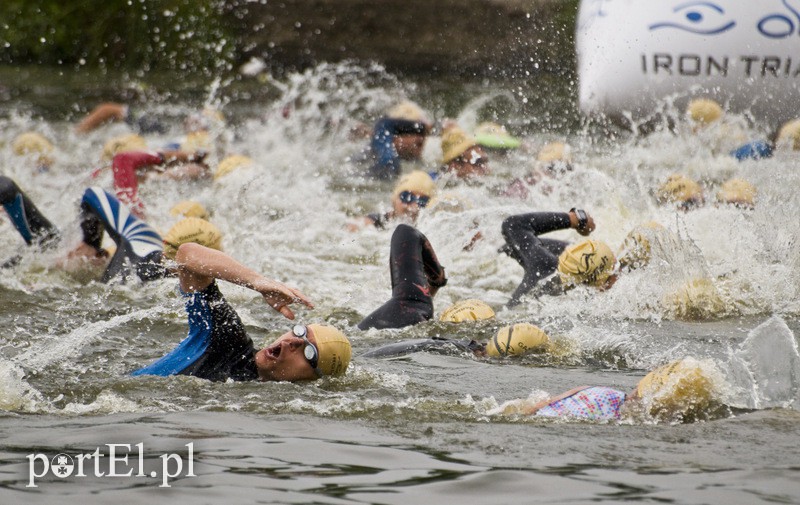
(123, 143)
(677, 391)
(408, 111)
(695, 300)
(517, 339)
(231, 163)
(334, 349)
(467, 310)
(34, 143)
(189, 208)
(455, 142)
(737, 192)
(588, 262)
(197, 141)
(789, 135)
(704, 111)
(636, 248)
(191, 229)
(680, 189)
(554, 151)
(417, 182)
(495, 136)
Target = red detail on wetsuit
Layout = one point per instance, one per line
(126, 183)
(425, 289)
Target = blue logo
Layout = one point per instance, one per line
(702, 18)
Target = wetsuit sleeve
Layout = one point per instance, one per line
(387, 161)
(434, 345)
(34, 228)
(139, 246)
(414, 269)
(126, 183)
(537, 255)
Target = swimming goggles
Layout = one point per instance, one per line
(409, 197)
(310, 351)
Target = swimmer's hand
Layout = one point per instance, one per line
(279, 296)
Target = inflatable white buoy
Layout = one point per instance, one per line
(634, 54)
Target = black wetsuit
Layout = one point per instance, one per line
(139, 246)
(217, 347)
(415, 270)
(537, 255)
(436, 345)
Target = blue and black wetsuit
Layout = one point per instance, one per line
(139, 246)
(415, 270)
(217, 347)
(386, 161)
(436, 345)
(537, 255)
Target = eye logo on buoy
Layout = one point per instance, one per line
(779, 25)
(702, 18)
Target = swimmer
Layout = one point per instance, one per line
(218, 348)
(681, 391)
(681, 191)
(786, 138)
(411, 194)
(462, 155)
(589, 262)
(36, 148)
(495, 138)
(140, 250)
(514, 340)
(416, 277)
(400, 135)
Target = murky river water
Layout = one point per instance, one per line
(421, 428)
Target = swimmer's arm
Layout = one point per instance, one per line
(103, 113)
(198, 266)
(544, 403)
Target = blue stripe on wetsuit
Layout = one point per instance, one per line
(16, 211)
(201, 327)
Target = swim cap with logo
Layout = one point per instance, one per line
(455, 142)
(588, 262)
(189, 208)
(517, 339)
(191, 229)
(334, 349)
(123, 143)
(677, 390)
(467, 310)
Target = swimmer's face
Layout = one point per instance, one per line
(409, 145)
(409, 206)
(473, 163)
(283, 360)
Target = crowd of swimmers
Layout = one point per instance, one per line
(217, 346)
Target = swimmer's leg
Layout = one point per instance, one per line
(416, 273)
(139, 246)
(34, 228)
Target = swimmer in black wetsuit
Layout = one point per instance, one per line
(540, 256)
(399, 136)
(218, 347)
(416, 276)
(139, 248)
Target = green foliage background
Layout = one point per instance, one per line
(187, 35)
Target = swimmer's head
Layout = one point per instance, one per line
(409, 146)
(738, 192)
(189, 208)
(696, 299)
(467, 310)
(589, 262)
(304, 353)
(637, 247)
(123, 143)
(679, 391)
(408, 111)
(681, 190)
(789, 135)
(231, 163)
(462, 155)
(518, 339)
(412, 192)
(555, 157)
(35, 145)
(191, 229)
(703, 111)
(495, 136)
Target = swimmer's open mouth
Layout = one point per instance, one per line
(274, 350)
